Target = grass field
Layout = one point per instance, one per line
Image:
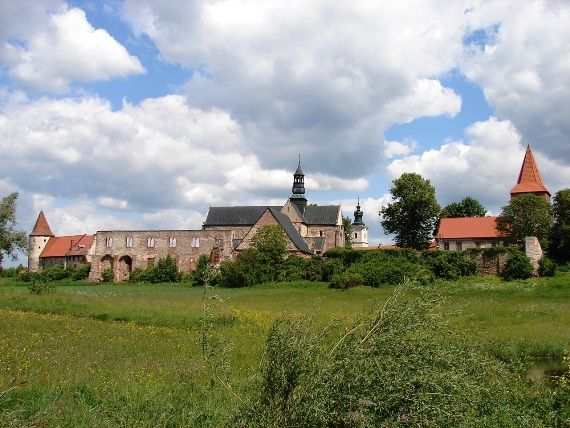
(132, 355)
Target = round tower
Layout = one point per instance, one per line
(37, 242)
(359, 229)
(298, 189)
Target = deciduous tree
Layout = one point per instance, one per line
(525, 215)
(11, 240)
(560, 236)
(468, 207)
(413, 214)
(347, 223)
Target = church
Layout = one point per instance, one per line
(310, 229)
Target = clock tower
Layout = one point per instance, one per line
(298, 189)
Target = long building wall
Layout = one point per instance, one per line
(124, 251)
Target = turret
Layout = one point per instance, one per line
(38, 239)
(298, 189)
(359, 229)
(530, 180)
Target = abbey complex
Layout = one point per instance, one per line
(310, 230)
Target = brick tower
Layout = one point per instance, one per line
(530, 180)
(37, 241)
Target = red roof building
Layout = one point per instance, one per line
(530, 180)
(66, 250)
(467, 232)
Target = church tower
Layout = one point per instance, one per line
(37, 241)
(530, 180)
(298, 190)
(359, 229)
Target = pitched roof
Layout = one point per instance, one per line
(529, 180)
(41, 227)
(468, 227)
(290, 230)
(234, 216)
(323, 215)
(73, 245)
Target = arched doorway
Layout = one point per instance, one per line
(124, 268)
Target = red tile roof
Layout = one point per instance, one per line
(61, 246)
(468, 227)
(41, 227)
(529, 180)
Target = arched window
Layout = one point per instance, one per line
(150, 242)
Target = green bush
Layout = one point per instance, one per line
(449, 264)
(55, 273)
(79, 272)
(292, 269)
(389, 271)
(390, 369)
(41, 287)
(346, 280)
(518, 266)
(165, 270)
(11, 272)
(28, 276)
(547, 267)
(139, 275)
(108, 275)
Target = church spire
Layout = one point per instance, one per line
(530, 180)
(358, 214)
(298, 189)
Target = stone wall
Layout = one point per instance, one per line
(129, 250)
(533, 251)
(334, 235)
(490, 264)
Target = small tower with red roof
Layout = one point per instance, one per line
(530, 180)
(38, 239)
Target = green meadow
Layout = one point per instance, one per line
(172, 355)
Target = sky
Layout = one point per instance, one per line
(142, 114)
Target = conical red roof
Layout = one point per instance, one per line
(42, 227)
(530, 180)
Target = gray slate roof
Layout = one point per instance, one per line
(290, 230)
(235, 216)
(323, 215)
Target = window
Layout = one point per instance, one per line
(477, 244)
(356, 235)
(129, 242)
(150, 242)
(108, 242)
(320, 233)
(218, 243)
(195, 242)
(172, 242)
(150, 262)
(459, 245)
(446, 246)
(493, 244)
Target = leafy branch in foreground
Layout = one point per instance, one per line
(399, 365)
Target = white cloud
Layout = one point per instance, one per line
(324, 79)
(523, 66)
(62, 49)
(398, 148)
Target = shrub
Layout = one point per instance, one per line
(390, 369)
(518, 266)
(79, 272)
(11, 272)
(41, 287)
(139, 275)
(346, 280)
(389, 271)
(292, 269)
(449, 264)
(55, 273)
(547, 267)
(108, 275)
(199, 277)
(28, 276)
(165, 270)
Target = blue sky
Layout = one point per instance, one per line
(142, 114)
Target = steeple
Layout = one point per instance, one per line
(298, 189)
(41, 227)
(530, 180)
(358, 214)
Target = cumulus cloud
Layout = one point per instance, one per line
(61, 49)
(324, 79)
(521, 61)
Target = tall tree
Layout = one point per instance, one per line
(468, 207)
(347, 224)
(11, 240)
(560, 236)
(525, 215)
(413, 213)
